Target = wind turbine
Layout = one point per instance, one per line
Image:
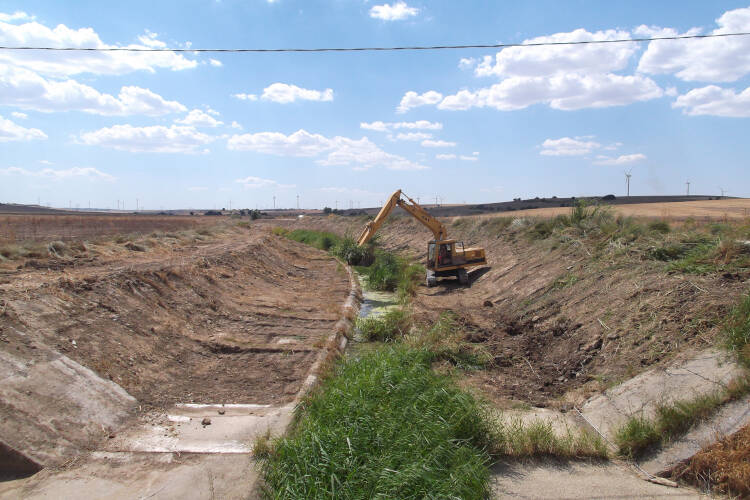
(628, 175)
(723, 191)
(687, 183)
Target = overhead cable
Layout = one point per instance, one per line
(374, 49)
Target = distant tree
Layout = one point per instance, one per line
(327, 210)
(608, 197)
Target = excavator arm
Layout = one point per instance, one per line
(438, 229)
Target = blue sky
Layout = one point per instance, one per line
(179, 130)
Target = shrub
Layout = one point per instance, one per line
(659, 226)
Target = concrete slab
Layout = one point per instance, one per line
(182, 430)
(147, 475)
(730, 419)
(701, 374)
(561, 423)
(576, 480)
(53, 407)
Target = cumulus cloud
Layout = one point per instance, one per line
(469, 158)
(10, 131)
(64, 64)
(567, 146)
(245, 97)
(705, 60)
(359, 153)
(25, 89)
(620, 160)
(450, 156)
(215, 63)
(257, 182)
(285, 93)
(412, 100)
(397, 11)
(715, 101)
(236, 125)
(16, 16)
(437, 144)
(19, 115)
(198, 118)
(412, 136)
(561, 91)
(153, 139)
(49, 173)
(379, 126)
(551, 60)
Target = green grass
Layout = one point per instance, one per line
(640, 434)
(384, 426)
(389, 272)
(538, 438)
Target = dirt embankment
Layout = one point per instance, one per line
(235, 320)
(559, 323)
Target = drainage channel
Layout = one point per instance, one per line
(374, 303)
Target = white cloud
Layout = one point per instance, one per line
(715, 101)
(198, 118)
(216, 63)
(63, 174)
(467, 62)
(565, 59)
(469, 158)
(413, 136)
(149, 39)
(445, 157)
(620, 160)
(257, 182)
(62, 64)
(412, 100)
(567, 146)
(397, 11)
(154, 139)
(437, 144)
(561, 91)
(10, 131)
(236, 125)
(723, 59)
(27, 90)
(16, 16)
(388, 126)
(284, 93)
(359, 153)
(245, 97)
(19, 115)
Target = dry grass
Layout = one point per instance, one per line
(722, 467)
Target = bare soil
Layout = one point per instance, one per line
(236, 319)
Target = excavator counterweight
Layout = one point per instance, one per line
(444, 257)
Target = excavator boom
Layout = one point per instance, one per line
(438, 229)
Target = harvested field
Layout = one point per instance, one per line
(17, 228)
(738, 208)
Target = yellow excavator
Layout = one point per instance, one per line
(444, 257)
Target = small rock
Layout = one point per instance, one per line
(206, 421)
(535, 319)
(111, 436)
(221, 412)
(613, 336)
(488, 303)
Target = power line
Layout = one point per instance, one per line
(378, 49)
